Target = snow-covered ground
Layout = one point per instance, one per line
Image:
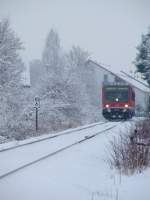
(12, 159)
(15, 143)
(79, 173)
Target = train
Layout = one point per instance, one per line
(118, 102)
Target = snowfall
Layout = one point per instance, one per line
(81, 172)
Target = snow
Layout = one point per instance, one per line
(134, 82)
(25, 154)
(140, 84)
(16, 143)
(79, 173)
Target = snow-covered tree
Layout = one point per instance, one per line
(36, 71)
(51, 82)
(11, 68)
(64, 86)
(76, 60)
(77, 82)
(83, 85)
(142, 61)
(52, 51)
(52, 61)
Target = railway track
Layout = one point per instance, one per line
(52, 136)
(59, 150)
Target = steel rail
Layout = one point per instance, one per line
(50, 137)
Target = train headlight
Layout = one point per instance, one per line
(126, 106)
(107, 106)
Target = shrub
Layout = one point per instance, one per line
(131, 152)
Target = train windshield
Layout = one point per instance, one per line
(116, 94)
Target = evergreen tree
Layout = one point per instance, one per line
(51, 53)
(52, 63)
(142, 61)
(51, 85)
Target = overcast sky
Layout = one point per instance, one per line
(109, 29)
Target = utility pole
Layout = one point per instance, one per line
(37, 106)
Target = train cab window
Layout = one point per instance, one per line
(112, 93)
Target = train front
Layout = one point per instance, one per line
(118, 101)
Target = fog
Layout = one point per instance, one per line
(109, 29)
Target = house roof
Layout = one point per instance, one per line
(124, 76)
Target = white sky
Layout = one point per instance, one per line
(109, 29)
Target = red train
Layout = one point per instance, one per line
(118, 101)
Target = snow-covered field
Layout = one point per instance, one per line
(79, 173)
